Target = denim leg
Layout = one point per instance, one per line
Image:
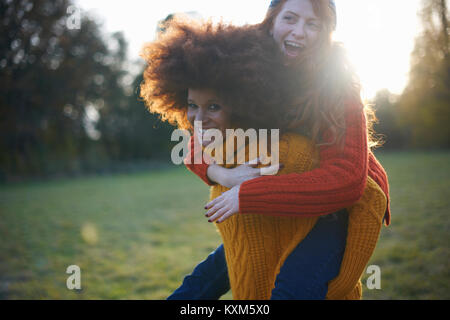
(208, 281)
(314, 262)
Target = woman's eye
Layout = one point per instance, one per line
(288, 18)
(214, 107)
(192, 105)
(314, 25)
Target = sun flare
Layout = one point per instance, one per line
(378, 34)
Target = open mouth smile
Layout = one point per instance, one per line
(292, 48)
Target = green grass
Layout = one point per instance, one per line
(413, 252)
(135, 236)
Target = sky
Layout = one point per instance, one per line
(378, 34)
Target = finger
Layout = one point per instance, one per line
(254, 162)
(213, 202)
(217, 206)
(218, 214)
(271, 170)
(227, 214)
(264, 160)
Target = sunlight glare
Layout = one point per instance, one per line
(378, 34)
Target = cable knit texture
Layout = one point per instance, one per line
(337, 183)
(256, 245)
(364, 227)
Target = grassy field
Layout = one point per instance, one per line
(135, 236)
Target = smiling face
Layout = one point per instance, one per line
(204, 106)
(296, 27)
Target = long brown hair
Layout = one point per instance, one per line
(328, 79)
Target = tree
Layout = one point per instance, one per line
(425, 103)
(130, 132)
(388, 127)
(49, 76)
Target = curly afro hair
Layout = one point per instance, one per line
(242, 65)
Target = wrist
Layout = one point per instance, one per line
(215, 173)
(239, 197)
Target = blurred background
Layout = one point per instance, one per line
(85, 170)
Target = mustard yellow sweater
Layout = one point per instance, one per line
(256, 246)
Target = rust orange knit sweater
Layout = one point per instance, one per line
(256, 246)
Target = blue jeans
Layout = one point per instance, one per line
(304, 275)
(208, 281)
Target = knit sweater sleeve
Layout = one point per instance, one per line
(337, 183)
(200, 169)
(377, 172)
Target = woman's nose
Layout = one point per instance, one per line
(200, 115)
(299, 31)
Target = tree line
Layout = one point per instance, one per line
(420, 116)
(67, 104)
